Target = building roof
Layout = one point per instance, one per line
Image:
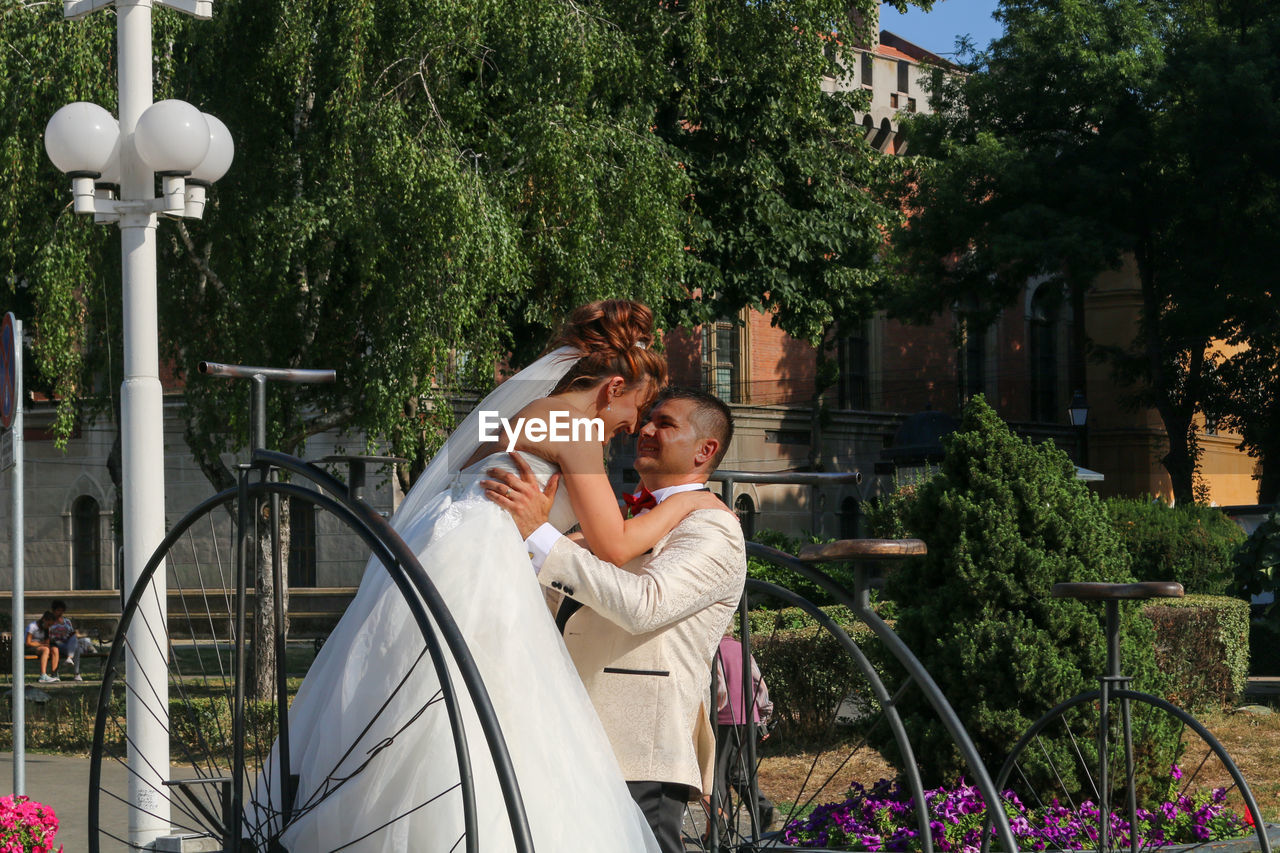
(892, 44)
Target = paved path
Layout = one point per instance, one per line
(63, 783)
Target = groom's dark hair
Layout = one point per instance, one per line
(710, 414)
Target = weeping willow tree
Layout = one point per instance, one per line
(407, 175)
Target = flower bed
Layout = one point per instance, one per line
(884, 818)
(26, 826)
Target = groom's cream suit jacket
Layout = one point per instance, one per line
(645, 637)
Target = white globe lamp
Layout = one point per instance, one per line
(172, 138)
(222, 151)
(82, 137)
(83, 141)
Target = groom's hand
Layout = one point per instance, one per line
(528, 503)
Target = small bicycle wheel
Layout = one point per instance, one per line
(815, 749)
(1157, 778)
(175, 663)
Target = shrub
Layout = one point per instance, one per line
(1256, 561)
(1202, 643)
(1189, 544)
(808, 671)
(1004, 520)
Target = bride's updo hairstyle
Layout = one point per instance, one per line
(614, 337)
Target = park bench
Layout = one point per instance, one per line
(100, 634)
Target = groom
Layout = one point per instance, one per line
(645, 634)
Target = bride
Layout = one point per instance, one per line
(370, 739)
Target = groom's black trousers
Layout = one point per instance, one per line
(663, 806)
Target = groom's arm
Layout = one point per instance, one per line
(703, 561)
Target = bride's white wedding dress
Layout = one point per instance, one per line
(360, 768)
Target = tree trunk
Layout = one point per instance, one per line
(1269, 481)
(1180, 462)
(1174, 406)
(822, 380)
(262, 683)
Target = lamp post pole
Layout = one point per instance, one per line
(142, 437)
(104, 155)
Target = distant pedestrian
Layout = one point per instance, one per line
(731, 716)
(62, 635)
(37, 642)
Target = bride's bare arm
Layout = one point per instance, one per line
(603, 528)
(609, 536)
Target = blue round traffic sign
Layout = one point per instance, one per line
(8, 371)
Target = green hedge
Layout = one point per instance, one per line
(1202, 643)
(1191, 544)
(808, 671)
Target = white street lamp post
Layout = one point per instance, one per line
(175, 140)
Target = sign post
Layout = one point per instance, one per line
(11, 420)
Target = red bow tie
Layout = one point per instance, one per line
(640, 501)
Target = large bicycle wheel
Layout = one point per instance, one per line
(1150, 776)
(831, 700)
(222, 738)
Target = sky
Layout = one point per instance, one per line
(936, 31)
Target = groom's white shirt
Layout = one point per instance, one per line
(542, 540)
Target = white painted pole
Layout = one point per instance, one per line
(19, 642)
(142, 440)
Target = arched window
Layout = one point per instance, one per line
(850, 518)
(1042, 350)
(86, 544)
(885, 137)
(745, 509)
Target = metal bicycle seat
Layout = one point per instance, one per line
(1090, 591)
(863, 549)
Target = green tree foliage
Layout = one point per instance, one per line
(1228, 233)
(781, 219)
(411, 177)
(1004, 520)
(423, 188)
(1076, 144)
(1190, 544)
(1256, 563)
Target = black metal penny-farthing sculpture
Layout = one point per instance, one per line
(227, 786)
(853, 711)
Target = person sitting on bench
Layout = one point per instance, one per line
(39, 645)
(62, 636)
